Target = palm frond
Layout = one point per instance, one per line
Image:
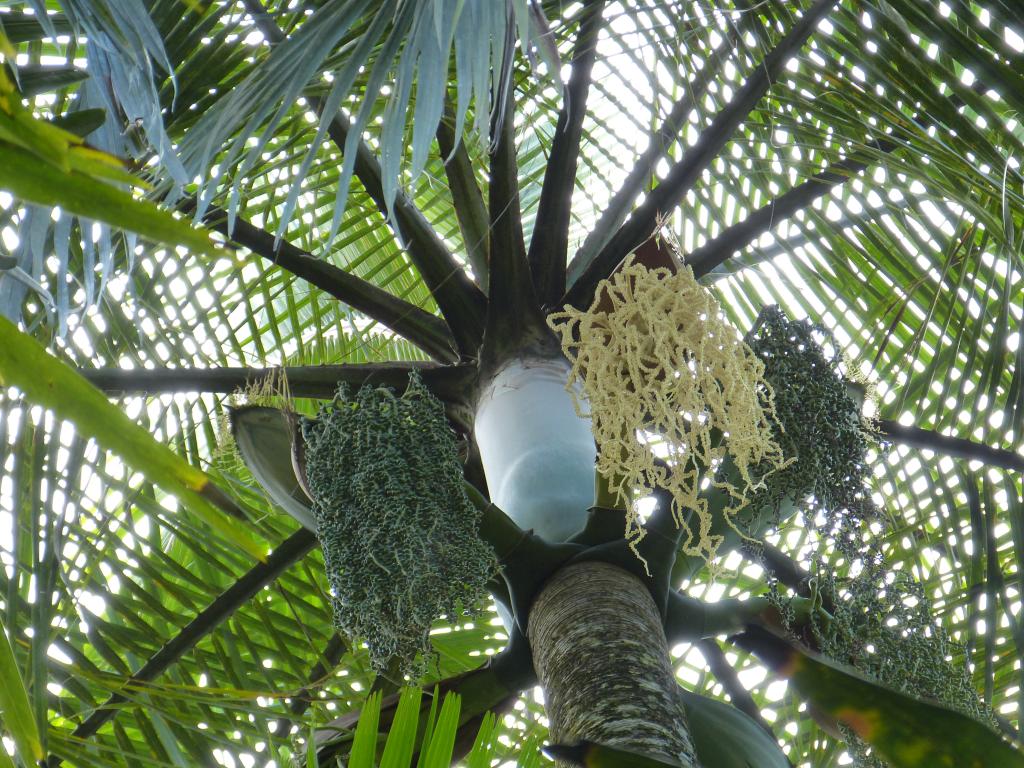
(874, 187)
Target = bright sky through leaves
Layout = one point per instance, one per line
(933, 365)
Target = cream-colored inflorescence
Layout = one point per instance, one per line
(672, 390)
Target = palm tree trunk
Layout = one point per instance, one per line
(600, 653)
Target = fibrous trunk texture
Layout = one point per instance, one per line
(601, 655)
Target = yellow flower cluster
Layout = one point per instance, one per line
(672, 391)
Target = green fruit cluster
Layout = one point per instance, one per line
(398, 532)
(881, 621)
(884, 627)
(818, 424)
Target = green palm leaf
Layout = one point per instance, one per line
(15, 710)
(906, 731)
(51, 383)
(896, 127)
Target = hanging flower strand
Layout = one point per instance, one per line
(672, 391)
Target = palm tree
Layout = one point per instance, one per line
(410, 187)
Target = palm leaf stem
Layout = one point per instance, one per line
(794, 242)
(994, 586)
(726, 675)
(264, 21)
(550, 244)
(449, 383)
(688, 619)
(685, 174)
(498, 529)
(20, 27)
(959, 447)
(460, 301)
(784, 568)
(316, 381)
(467, 200)
(739, 236)
(512, 310)
(333, 651)
(423, 329)
(659, 141)
(733, 240)
(291, 550)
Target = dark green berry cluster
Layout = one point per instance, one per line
(399, 533)
(819, 425)
(883, 625)
(881, 621)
